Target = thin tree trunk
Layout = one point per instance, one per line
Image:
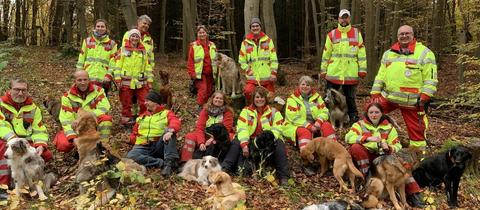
(129, 12)
(55, 25)
(344, 4)
(67, 11)
(188, 26)
(356, 13)
(5, 15)
(232, 43)
(323, 27)
(269, 20)
(370, 41)
(250, 10)
(163, 14)
(439, 26)
(99, 9)
(315, 26)
(82, 32)
(24, 26)
(18, 19)
(396, 20)
(306, 41)
(34, 23)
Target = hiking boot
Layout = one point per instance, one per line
(168, 168)
(416, 200)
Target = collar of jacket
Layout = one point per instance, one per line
(139, 47)
(297, 93)
(344, 29)
(253, 108)
(368, 122)
(411, 47)
(7, 99)
(251, 36)
(160, 108)
(205, 43)
(104, 39)
(75, 91)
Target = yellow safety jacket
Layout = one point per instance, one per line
(97, 57)
(259, 61)
(402, 77)
(296, 112)
(363, 129)
(344, 57)
(25, 122)
(151, 127)
(271, 119)
(199, 55)
(95, 102)
(132, 67)
(147, 42)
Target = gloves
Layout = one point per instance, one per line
(424, 98)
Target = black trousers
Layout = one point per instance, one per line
(278, 159)
(350, 92)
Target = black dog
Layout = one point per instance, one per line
(446, 167)
(263, 146)
(222, 142)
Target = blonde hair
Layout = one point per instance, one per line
(226, 100)
(307, 79)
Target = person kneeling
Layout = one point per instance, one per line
(154, 135)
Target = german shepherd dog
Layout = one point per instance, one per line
(28, 168)
(53, 107)
(229, 76)
(447, 168)
(337, 106)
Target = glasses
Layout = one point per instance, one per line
(405, 33)
(18, 90)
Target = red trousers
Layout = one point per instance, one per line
(126, 96)
(304, 135)
(363, 157)
(189, 146)
(413, 117)
(204, 88)
(251, 85)
(4, 169)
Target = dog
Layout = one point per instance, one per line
(334, 205)
(226, 194)
(327, 150)
(86, 128)
(53, 107)
(337, 106)
(198, 169)
(263, 147)
(374, 192)
(28, 168)
(222, 141)
(447, 168)
(229, 75)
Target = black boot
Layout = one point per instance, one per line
(168, 168)
(416, 200)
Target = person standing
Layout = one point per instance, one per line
(143, 24)
(344, 61)
(97, 56)
(406, 80)
(258, 58)
(201, 65)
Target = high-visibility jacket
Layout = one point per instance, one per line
(363, 129)
(95, 101)
(249, 119)
(132, 67)
(147, 42)
(258, 60)
(403, 77)
(205, 121)
(296, 112)
(24, 121)
(344, 59)
(199, 57)
(97, 57)
(152, 125)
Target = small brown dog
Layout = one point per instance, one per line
(327, 149)
(227, 195)
(53, 107)
(86, 128)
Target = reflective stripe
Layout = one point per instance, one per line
(423, 55)
(104, 136)
(4, 172)
(343, 55)
(104, 127)
(241, 129)
(198, 60)
(190, 142)
(103, 109)
(9, 135)
(428, 90)
(3, 162)
(402, 94)
(190, 149)
(100, 60)
(429, 60)
(363, 162)
(70, 132)
(376, 88)
(430, 82)
(401, 59)
(303, 141)
(410, 180)
(67, 122)
(362, 59)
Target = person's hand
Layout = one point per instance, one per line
(40, 150)
(313, 129)
(249, 72)
(317, 124)
(322, 75)
(203, 147)
(107, 79)
(245, 151)
(373, 139)
(384, 146)
(273, 78)
(209, 141)
(167, 136)
(376, 98)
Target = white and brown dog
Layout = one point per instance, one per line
(225, 193)
(198, 169)
(337, 107)
(27, 168)
(229, 75)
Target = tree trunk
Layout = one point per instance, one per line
(24, 23)
(34, 23)
(356, 13)
(232, 43)
(18, 22)
(55, 25)
(129, 13)
(315, 26)
(306, 41)
(323, 27)
(344, 4)
(99, 9)
(370, 41)
(82, 27)
(439, 26)
(269, 20)
(250, 10)
(188, 25)
(5, 15)
(396, 20)
(67, 11)
(163, 14)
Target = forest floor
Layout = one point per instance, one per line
(49, 73)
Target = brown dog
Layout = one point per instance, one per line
(86, 128)
(373, 193)
(227, 195)
(327, 149)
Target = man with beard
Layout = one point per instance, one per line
(344, 61)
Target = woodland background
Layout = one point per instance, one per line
(39, 40)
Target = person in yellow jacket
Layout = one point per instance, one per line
(258, 58)
(253, 121)
(97, 56)
(20, 117)
(344, 61)
(406, 80)
(143, 24)
(133, 75)
(372, 136)
(83, 94)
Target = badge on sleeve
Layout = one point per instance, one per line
(408, 73)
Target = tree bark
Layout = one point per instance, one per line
(439, 26)
(315, 26)
(18, 22)
(5, 15)
(323, 27)
(24, 26)
(232, 43)
(99, 9)
(306, 41)
(250, 10)
(188, 25)
(82, 27)
(33, 35)
(370, 41)
(55, 25)
(356, 13)
(129, 13)
(163, 14)
(67, 11)
(344, 4)
(396, 20)
(269, 20)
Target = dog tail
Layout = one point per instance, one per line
(354, 169)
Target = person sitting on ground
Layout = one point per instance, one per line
(306, 116)
(83, 94)
(154, 134)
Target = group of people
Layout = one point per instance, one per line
(406, 80)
